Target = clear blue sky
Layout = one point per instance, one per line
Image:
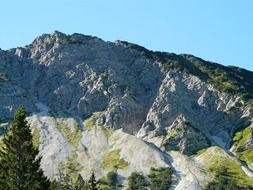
(216, 30)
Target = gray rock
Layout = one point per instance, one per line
(80, 75)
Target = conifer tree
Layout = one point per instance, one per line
(112, 180)
(80, 184)
(19, 161)
(93, 183)
(136, 181)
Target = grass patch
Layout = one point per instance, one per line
(250, 103)
(72, 167)
(240, 140)
(247, 156)
(71, 132)
(88, 123)
(241, 137)
(216, 158)
(173, 134)
(92, 121)
(199, 152)
(112, 161)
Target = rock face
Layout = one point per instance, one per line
(182, 136)
(78, 87)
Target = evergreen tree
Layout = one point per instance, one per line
(19, 163)
(80, 184)
(160, 178)
(136, 181)
(55, 185)
(93, 183)
(223, 181)
(112, 180)
(66, 182)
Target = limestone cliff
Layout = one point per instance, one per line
(92, 101)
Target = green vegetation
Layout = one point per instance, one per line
(71, 132)
(72, 167)
(173, 133)
(65, 182)
(93, 184)
(222, 182)
(160, 178)
(136, 181)
(233, 80)
(36, 136)
(110, 182)
(250, 103)
(91, 121)
(242, 136)
(112, 161)
(199, 152)
(239, 141)
(247, 156)
(19, 163)
(215, 158)
(88, 123)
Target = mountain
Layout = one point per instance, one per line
(102, 106)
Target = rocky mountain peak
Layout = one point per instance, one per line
(78, 89)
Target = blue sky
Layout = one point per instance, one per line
(216, 30)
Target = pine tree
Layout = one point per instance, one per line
(136, 181)
(19, 163)
(66, 181)
(80, 183)
(93, 184)
(112, 180)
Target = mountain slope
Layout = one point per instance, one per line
(92, 101)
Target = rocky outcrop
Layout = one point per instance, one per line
(164, 99)
(183, 137)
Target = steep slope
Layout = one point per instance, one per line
(66, 144)
(97, 106)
